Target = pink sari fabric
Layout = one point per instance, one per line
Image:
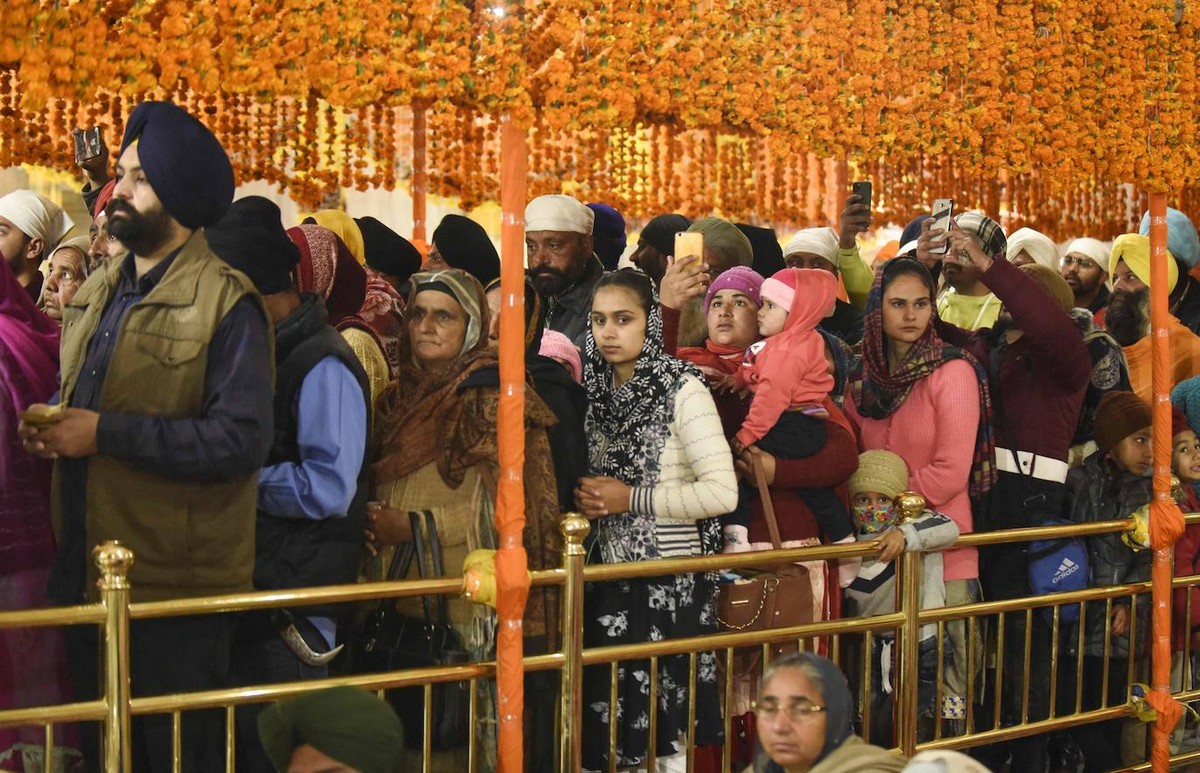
(32, 661)
(29, 373)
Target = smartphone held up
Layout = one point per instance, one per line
(943, 213)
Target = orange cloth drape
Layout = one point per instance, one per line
(1182, 358)
(512, 564)
(1166, 520)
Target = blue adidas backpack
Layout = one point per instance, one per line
(1056, 566)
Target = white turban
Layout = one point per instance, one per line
(1039, 246)
(37, 217)
(559, 213)
(1094, 249)
(822, 242)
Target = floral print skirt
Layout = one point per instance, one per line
(647, 610)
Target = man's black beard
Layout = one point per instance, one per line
(144, 233)
(1128, 315)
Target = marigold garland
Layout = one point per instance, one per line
(1041, 111)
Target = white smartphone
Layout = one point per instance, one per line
(943, 213)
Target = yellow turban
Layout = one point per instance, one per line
(1134, 249)
(347, 230)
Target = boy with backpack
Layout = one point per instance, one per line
(1113, 483)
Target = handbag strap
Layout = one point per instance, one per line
(418, 543)
(435, 552)
(764, 493)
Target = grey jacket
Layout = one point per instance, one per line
(873, 592)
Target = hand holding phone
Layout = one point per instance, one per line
(943, 214)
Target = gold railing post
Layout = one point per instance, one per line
(909, 652)
(114, 561)
(574, 529)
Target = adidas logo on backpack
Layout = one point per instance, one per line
(1065, 570)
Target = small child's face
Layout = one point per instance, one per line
(1185, 456)
(771, 318)
(873, 512)
(1134, 454)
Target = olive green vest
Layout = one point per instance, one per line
(188, 538)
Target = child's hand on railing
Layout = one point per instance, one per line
(891, 545)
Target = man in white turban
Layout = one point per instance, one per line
(821, 248)
(31, 226)
(562, 264)
(1085, 267)
(1029, 246)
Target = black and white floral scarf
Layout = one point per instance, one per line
(627, 429)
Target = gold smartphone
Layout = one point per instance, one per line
(688, 243)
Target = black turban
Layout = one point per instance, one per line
(608, 235)
(251, 239)
(184, 162)
(660, 232)
(768, 255)
(465, 245)
(387, 251)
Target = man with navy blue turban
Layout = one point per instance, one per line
(166, 367)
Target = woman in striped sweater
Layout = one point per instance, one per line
(660, 473)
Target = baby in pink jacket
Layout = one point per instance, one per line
(789, 377)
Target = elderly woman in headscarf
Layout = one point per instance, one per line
(436, 452)
(32, 661)
(806, 722)
(70, 264)
(327, 269)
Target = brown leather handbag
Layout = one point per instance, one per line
(777, 598)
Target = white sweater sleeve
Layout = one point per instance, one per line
(696, 480)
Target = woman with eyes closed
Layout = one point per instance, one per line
(805, 714)
(927, 402)
(660, 472)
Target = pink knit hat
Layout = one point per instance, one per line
(780, 289)
(557, 346)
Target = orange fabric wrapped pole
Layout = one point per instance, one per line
(420, 174)
(1166, 521)
(512, 576)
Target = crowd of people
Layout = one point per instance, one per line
(251, 406)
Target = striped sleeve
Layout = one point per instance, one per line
(697, 479)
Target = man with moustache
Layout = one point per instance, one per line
(1128, 316)
(166, 367)
(1184, 244)
(562, 265)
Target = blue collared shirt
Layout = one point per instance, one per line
(331, 433)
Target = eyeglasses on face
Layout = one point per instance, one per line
(798, 711)
(1083, 264)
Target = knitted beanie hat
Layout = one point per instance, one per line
(1119, 415)
(1052, 283)
(744, 279)
(882, 472)
(557, 346)
(1179, 421)
(780, 289)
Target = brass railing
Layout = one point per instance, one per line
(114, 611)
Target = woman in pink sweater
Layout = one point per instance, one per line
(927, 402)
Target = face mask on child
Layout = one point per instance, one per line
(873, 519)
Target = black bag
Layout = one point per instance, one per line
(391, 640)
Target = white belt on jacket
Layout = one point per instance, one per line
(1041, 467)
